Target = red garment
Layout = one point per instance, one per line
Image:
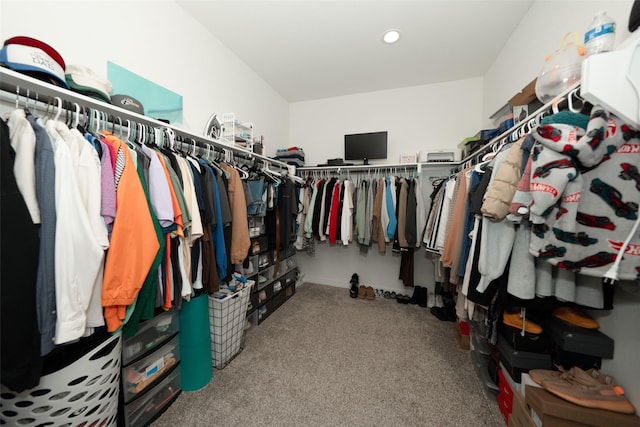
(333, 215)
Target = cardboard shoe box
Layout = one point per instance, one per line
(548, 410)
(520, 413)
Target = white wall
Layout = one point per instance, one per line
(159, 41)
(519, 62)
(538, 35)
(420, 118)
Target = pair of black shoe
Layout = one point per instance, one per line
(419, 296)
(446, 313)
(355, 281)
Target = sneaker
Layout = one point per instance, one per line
(541, 375)
(575, 317)
(585, 390)
(515, 320)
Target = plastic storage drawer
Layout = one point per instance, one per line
(141, 375)
(152, 333)
(141, 411)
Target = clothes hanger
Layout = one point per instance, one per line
(59, 108)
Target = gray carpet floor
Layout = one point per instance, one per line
(324, 359)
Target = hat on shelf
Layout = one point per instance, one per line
(128, 103)
(34, 58)
(84, 80)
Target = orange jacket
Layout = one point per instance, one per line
(133, 245)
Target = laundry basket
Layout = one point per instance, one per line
(82, 393)
(226, 320)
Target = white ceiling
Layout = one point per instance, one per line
(312, 49)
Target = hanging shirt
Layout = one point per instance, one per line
(421, 213)
(133, 243)
(240, 240)
(159, 193)
(361, 211)
(107, 188)
(308, 221)
(402, 213)
(334, 214)
(412, 204)
(368, 229)
(317, 208)
(217, 230)
(89, 171)
(78, 253)
(23, 142)
(45, 192)
(347, 211)
(386, 200)
(378, 229)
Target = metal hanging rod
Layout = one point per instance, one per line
(18, 84)
(408, 166)
(507, 134)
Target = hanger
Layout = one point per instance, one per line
(574, 94)
(119, 126)
(76, 120)
(59, 108)
(271, 174)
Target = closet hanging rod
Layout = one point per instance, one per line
(511, 131)
(408, 166)
(11, 81)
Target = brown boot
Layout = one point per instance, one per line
(362, 291)
(370, 293)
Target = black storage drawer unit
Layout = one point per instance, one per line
(590, 342)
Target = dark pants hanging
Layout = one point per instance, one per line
(406, 267)
(19, 246)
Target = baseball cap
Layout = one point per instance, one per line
(35, 58)
(84, 80)
(128, 103)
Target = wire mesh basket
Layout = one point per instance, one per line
(84, 393)
(226, 320)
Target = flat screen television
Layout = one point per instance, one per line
(365, 146)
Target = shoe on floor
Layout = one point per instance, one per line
(362, 292)
(575, 317)
(370, 293)
(353, 290)
(584, 390)
(515, 320)
(541, 375)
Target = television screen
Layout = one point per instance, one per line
(365, 146)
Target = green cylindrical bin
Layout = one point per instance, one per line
(195, 344)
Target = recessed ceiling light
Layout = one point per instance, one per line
(391, 36)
